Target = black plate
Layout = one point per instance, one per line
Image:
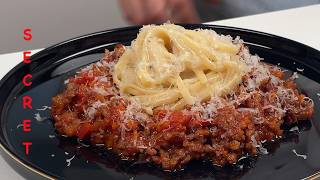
(51, 67)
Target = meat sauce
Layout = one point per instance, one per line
(221, 130)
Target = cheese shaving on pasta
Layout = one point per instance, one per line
(168, 65)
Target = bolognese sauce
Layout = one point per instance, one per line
(221, 129)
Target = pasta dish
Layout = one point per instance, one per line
(177, 95)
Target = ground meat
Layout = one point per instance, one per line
(221, 129)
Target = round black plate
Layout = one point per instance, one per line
(53, 156)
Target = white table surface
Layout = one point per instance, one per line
(298, 24)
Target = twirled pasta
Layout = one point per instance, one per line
(170, 65)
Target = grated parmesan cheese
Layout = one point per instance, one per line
(300, 69)
(295, 75)
(51, 136)
(19, 126)
(101, 91)
(66, 81)
(87, 68)
(207, 110)
(258, 145)
(295, 128)
(135, 111)
(299, 155)
(69, 160)
(44, 108)
(38, 117)
(91, 111)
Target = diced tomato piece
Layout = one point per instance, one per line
(132, 124)
(120, 107)
(163, 125)
(80, 97)
(205, 123)
(199, 123)
(84, 129)
(109, 141)
(160, 114)
(278, 73)
(114, 126)
(178, 118)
